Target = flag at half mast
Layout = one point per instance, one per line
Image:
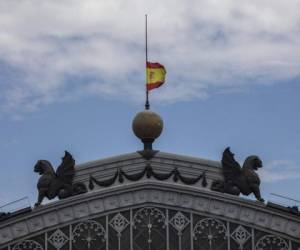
(156, 74)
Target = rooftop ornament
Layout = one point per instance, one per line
(60, 183)
(239, 179)
(147, 126)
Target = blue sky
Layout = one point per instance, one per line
(72, 77)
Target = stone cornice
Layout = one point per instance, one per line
(182, 197)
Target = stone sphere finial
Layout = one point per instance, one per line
(147, 126)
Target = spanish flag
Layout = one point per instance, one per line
(156, 74)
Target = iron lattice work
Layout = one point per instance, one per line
(28, 244)
(149, 226)
(154, 228)
(89, 235)
(210, 233)
(270, 242)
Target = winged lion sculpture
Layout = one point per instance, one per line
(60, 183)
(239, 179)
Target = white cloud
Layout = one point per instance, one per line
(279, 170)
(56, 45)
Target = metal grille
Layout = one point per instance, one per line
(154, 228)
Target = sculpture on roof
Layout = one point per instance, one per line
(239, 179)
(60, 183)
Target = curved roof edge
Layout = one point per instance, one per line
(182, 197)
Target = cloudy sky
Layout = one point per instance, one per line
(72, 77)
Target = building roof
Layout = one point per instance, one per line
(130, 191)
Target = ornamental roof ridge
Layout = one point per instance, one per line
(132, 163)
(159, 155)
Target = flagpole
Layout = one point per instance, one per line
(147, 104)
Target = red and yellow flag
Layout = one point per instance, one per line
(156, 74)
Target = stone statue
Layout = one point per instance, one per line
(60, 183)
(239, 180)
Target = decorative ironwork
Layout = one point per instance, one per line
(270, 242)
(90, 232)
(58, 239)
(152, 228)
(149, 213)
(240, 236)
(211, 231)
(119, 223)
(179, 222)
(151, 223)
(149, 172)
(28, 244)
